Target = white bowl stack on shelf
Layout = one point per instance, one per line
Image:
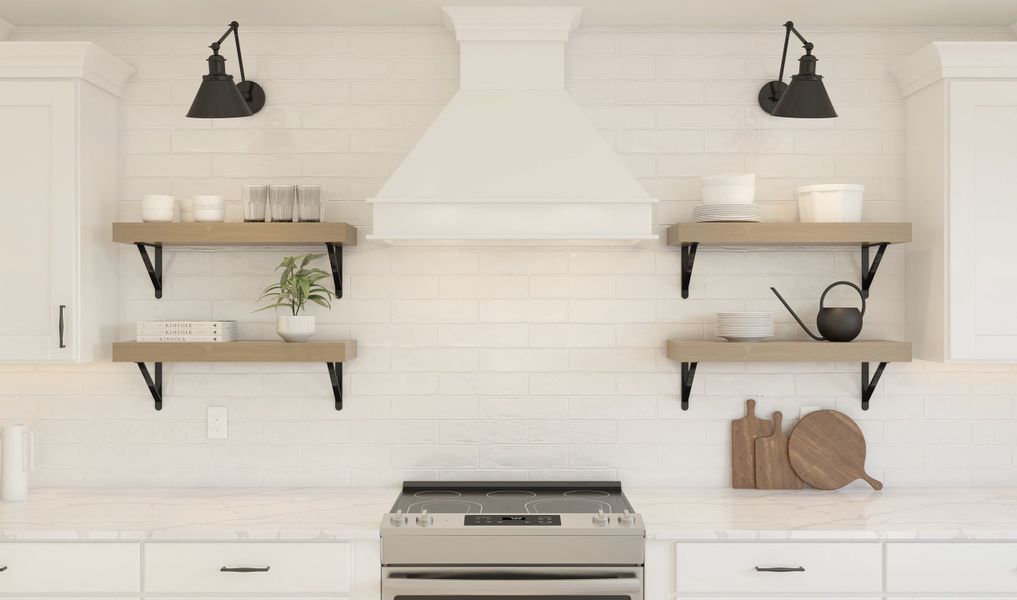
(830, 203)
(730, 197)
(745, 326)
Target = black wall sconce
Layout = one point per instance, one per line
(218, 97)
(805, 97)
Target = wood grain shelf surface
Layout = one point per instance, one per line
(235, 234)
(858, 351)
(267, 351)
(788, 234)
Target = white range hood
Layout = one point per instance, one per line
(512, 158)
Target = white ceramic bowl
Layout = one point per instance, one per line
(729, 179)
(206, 202)
(204, 215)
(830, 203)
(729, 194)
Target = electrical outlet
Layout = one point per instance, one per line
(806, 410)
(217, 423)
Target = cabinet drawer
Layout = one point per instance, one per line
(292, 568)
(70, 568)
(732, 567)
(951, 567)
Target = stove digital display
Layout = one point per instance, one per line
(497, 520)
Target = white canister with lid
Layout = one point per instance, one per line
(15, 456)
(830, 203)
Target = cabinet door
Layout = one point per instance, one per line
(982, 220)
(37, 233)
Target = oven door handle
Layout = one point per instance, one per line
(510, 587)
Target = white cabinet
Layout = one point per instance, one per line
(957, 568)
(247, 568)
(961, 187)
(69, 568)
(59, 174)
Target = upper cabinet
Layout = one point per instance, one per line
(961, 186)
(59, 176)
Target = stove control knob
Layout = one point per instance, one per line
(626, 519)
(398, 519)
(600, 519)
(424, 519)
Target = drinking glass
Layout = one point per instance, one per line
(281, 199)
(255, 198)
(309, 203)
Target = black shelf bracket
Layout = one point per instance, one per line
(688, 259)
(335, 258)
(688, 376)
(154, 271)
(335, 373)
(869, 386)
(869, 270)
(154, 385)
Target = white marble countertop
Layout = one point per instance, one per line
(350, 514)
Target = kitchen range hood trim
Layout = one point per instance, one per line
(512, 159)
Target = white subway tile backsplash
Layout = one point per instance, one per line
(501, 362)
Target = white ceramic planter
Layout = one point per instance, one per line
(295, 329)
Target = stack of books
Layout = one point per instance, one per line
(187, 331)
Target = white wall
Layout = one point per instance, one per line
(525, 363)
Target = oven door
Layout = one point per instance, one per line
(512, 583)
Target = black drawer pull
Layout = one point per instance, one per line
(3, 568)
(244, 569)
(61, 326)
(780, 569)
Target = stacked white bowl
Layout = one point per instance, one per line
(157, 208)
(745, 326)
(729, 197)
(209, 209)
(830, 203)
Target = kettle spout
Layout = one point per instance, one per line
(788, 307)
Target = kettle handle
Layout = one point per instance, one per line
(822, 299)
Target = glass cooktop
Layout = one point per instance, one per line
(556, 497)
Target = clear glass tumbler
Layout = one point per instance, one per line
(281, 199)
(255, 198)
(309, 203)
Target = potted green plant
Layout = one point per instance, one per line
(298, 285)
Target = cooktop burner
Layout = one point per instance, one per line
(512, 497)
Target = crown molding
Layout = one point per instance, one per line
(64, 60)
(956, 60)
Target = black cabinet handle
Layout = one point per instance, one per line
(3, 568)
(244, 569)
(61, 326)
(780, 569)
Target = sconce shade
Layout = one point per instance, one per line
(218, 97)
(805, 97)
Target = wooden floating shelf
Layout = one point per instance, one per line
(235, 234)
(334, 236)
(863, 350)
(788, 234)
(689, 236)
(254, 351)
(332, 353)
(691, 353)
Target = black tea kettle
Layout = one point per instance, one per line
(835, 323)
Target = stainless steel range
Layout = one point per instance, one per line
(490, 541)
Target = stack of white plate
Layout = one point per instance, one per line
(745, 326)
(706, 213)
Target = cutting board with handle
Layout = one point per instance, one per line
(744, 432)
(827, 450)
(773, 469)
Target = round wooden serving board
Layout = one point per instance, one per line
(827, 450)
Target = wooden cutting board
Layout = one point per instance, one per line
(773, 469)
(827, 450)
(744, 432)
